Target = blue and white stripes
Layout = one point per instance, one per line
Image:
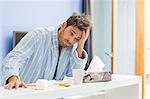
(36, 57)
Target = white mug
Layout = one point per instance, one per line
(42, 83)
(78, 75)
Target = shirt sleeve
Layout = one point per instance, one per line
(18, 57)
(76, 62)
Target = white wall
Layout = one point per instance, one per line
(102, 30)
(126, 37)
(147, 37)
(24, 15)
(0, 46)
(0, 35)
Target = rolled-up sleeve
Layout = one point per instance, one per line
(76, 62)
(79, 62)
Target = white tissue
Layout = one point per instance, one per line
(96, 65)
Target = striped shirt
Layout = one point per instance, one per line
(36, 57)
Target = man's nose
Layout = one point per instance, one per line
(71, 40)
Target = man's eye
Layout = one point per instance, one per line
(72, 34)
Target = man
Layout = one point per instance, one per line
(48, 53)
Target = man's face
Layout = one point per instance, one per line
(69, 36)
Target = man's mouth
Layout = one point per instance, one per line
(67, 43)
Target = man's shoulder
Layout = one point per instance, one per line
(45, 29)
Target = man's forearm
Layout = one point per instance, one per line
(80, 50)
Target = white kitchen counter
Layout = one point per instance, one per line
(121, 87)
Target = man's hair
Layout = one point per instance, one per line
(83, 22)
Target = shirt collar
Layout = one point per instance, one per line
(55, 37)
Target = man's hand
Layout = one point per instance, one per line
(82, 42)
(14, 82)
(83, 38)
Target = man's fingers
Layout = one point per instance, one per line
(17, 85)
(23, 85)
(87, 32)
(20, 84)
(11, 86)
(83, 35)
(6, 86)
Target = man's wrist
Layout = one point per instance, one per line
(80, 45)
(79, 51)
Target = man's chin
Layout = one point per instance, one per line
(64, 46)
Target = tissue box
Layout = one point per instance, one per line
(97, 77)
